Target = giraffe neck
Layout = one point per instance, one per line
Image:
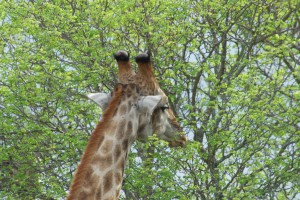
(104, 176)
(100, 172)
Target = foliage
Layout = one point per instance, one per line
(230, 69)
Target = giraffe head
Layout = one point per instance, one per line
(164, 122)
(146, 114)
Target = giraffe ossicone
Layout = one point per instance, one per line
(125, 73)
(100, 172)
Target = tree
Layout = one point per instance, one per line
(231, 71)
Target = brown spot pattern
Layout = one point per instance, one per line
(121, 165)
(107, 181)
(99, 193)
(117, 152)
(121, 130)
(125, 144)
(129, 128)
(82, 195)
(122, 110)
(118, 178)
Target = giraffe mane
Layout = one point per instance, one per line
(94, 142)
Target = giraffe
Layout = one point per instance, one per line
(100, 172)
(164, 123)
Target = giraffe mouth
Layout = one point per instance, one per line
(178, 141)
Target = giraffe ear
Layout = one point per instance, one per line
(102, 99)
(149, 103)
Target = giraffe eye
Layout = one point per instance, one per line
(166, 106)
(134, 105)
